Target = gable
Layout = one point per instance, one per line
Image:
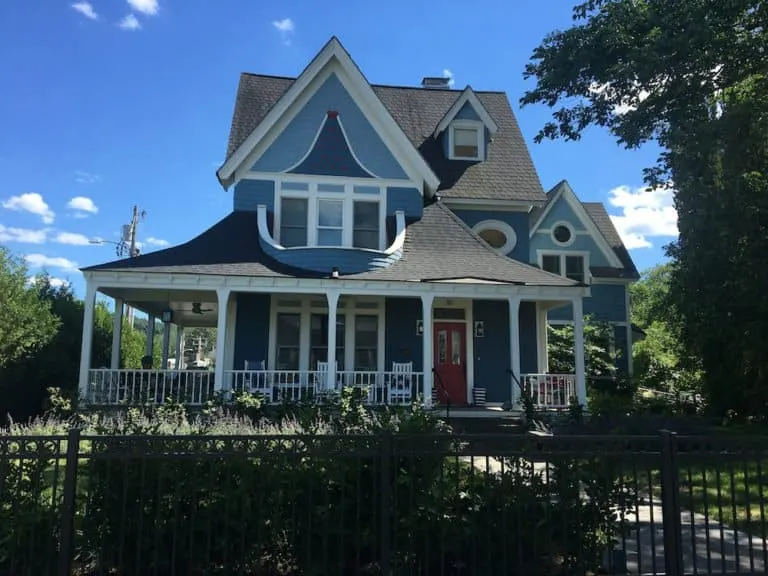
(330, 126)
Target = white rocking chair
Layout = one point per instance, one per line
(401, 383)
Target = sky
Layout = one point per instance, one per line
(109, 104)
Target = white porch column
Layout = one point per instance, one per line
(117, 334)
(166, 344)
(427, 353)
(578, 341)
(542, 338)
(179, 346)
(222, 295)
(87, 341)
(514, 345)
(150, 334)
(333, 301)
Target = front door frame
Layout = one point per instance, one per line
(465, 304)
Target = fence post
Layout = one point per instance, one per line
(385, 504)
(670, 505)
(68, 506)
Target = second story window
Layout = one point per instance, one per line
(572, 266)
(329, 215)
(466, 140)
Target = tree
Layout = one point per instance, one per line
(26, 321)
(598, 360)
(691, 76)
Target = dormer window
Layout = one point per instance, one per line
(329, 215)
(466, 140)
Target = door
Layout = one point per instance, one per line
(450, 362)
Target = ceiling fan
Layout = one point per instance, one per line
(197, 308)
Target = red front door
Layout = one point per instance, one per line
(450, 362)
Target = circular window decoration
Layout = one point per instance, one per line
(563, 234)
(497, 234)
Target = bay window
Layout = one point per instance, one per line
(329, 214)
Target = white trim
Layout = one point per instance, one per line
(563, 254)
(467, 125)
(325, 179)
(332, 58)
(542, 352)
(614, 281)
(550, 230)
(117, 334)
(488, 204)
(564, 190)
(229, 351)
(468, 95)
(571, 230)
(504, 228)
(346, 140)
(514, 344)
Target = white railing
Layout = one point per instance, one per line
(550, 390)
(278, 386)
(109, 387)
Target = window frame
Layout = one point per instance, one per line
(570, 228)
(563, 254)
(502, 227)
(479, 127)
(348, 197)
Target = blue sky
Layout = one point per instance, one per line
(111, 103)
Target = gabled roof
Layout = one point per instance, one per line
(439, 247)
(602, 220)
(507, 174)
(467, 96)
(332, 54)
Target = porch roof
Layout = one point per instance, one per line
(439, 247)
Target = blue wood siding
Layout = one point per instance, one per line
(467, 112)
(409, 200)
(607, 304)
(528, 343)
(492, 351)
(331, 155)
(250, 193)
(298, 136)
(401, 342)
(518, 221)
(562, 211)
(251, 329)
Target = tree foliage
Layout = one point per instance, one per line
(691, 76)
(26, 321)
(599, 361)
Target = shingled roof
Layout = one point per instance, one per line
(604, 224)
(507, 174)
(425, 255)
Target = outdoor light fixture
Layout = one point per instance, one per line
(420, 327)
(334, 272)
(479, 329)
(167, 315)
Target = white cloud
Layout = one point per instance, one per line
(30, 202)
(52, 281)
(129, 23)
(448, 74)
(82, 204)
(83, 177)
(286, 28)
(86, 9)
(71, 238)
(22, 235)
(43, 261)
(645, 214)
(148, 7)
(152, 241)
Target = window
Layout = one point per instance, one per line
(466, 140)
(573, 266)
(497, 234)
(366, 225)
(288, 341)
(293, 222)
(366, 343)
(330, 222)
(329, 214)
(563, 234)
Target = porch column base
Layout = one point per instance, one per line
(427, 359)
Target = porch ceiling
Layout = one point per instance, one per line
(154, 301)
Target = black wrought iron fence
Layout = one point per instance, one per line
(383, 504)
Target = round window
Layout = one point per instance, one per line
(494, 238)
(562, 234)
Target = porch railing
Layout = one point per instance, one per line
(113, 387)
(550, 390)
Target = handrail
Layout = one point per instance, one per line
(445, 393)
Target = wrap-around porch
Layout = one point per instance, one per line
(442, 343)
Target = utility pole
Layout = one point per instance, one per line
(133, 251)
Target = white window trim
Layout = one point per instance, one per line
(309, 305)
(502, 227)
(467, 124)
(349, 197)
(570, 228)
(562, 254)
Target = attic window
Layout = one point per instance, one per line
(497, 234)
(466, 140)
